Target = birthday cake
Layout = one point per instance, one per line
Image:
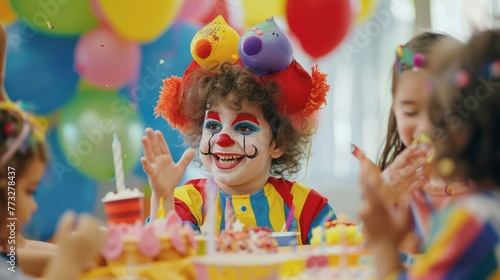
(337, 232)
(161, 240)
(254, 240)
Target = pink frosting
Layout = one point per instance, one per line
(190, 234)
(177, 240)
(149, 244)
(114, 244)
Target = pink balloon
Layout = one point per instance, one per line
(96, 9)
(194, 9)
(106, 60)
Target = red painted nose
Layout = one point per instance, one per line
(224, 140)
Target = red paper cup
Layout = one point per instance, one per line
(126, 206)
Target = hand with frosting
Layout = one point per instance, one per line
(163, 173)
(409, 171)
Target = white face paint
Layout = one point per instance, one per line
(236, 147)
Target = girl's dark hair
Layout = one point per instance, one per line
(468, 116)
(11, 122)
(393, 145)
(233, 84)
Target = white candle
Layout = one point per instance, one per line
(210, 200)
(117, 158)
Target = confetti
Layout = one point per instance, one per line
(445, 167)
(48, 25)
(162, 61)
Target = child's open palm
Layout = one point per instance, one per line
(163, 173)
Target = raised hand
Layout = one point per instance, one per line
(163, 173)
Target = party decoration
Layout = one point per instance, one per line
(139, 21)
(173, 48)
(265, 48)
(96, 9)
(106, 60)
(218, 9)
(56, 17)
(407, 59)
(86, 130)
(7, 15)
(193, 9)
(39, 69)
(319, 25)
(366, 9)
(256, 11)
(3, 49)
(214, 44)
(61, 189)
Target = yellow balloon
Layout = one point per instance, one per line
(140, 20)
(257, 11)
(7, 15)
(366, 9)
(214, 44)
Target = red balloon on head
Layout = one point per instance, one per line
(320, 25)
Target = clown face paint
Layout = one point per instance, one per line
(237, 148)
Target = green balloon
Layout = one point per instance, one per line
(86, 129)
(57, 17)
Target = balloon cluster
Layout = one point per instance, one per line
(94, 67)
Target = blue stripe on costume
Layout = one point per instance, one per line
(467, 266)
(260, 206)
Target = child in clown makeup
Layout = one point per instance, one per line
(247, 145)
(407, 151)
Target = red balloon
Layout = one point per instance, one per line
(320, 25)
(218, 8)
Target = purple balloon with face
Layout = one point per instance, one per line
(265, 48)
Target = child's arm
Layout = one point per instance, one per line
(77, 249)
(35, 244)
(384, 227)
(34, 262)
(163, 173)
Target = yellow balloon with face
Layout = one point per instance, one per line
(214, 44)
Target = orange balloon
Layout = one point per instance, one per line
(7, 15)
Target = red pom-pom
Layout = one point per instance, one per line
(418, 60)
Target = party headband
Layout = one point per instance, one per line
(29, 124)
(405, 58)
(267, 51)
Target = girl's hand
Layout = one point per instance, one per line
(383, 223)
(383, 226)
(409, 171)
(163, 173)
